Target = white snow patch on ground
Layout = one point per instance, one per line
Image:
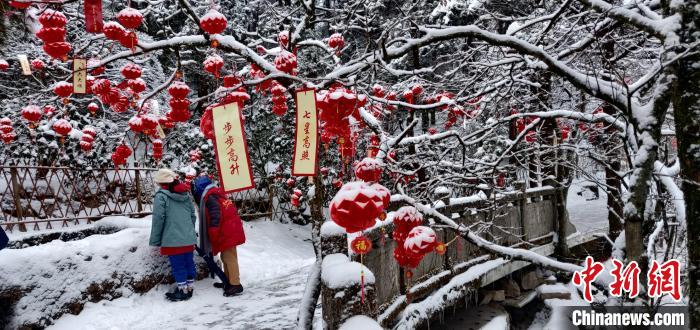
(274, 264)
(587, 215)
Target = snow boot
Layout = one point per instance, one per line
(177, 295)
(219, 285)
(233, 290)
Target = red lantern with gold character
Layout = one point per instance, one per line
(361, 245)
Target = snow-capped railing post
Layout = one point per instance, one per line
(341, 290)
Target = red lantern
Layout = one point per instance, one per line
(96, 68)
(63, 89)
(179, 115)
(213, 64)
(51, 34)
(4, 65)
(179, 90)
(440, 248)
(356, 206)
(420, 240)
(129, 40)
(62, 127)
(432, 131)
(38, 64)
(137, 85)
(57, 50)
(49, 110)
(213, 22)
(4, 121)
(406, 259)
(361, 245)
(123, 151)
(6, 128)
(85, 146)
(130, 18)
(286, 62)
(231, 81)
(179, 104)
(113, 30)
(20, 5)
(31, 113)
(283, 38)
(337, 42)
(369, 170)
(417, 89)
(206, 124)
(101, 86)
(89, 131)
(7, 138)
(166, 122)
(136, 124)
(131, 71)
(157, 149)
(240, 96)
(405, 219)
(52, 18)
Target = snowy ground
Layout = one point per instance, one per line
(585, 212)
(274, 264)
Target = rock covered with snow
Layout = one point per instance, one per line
(360, 322)
(339, 272)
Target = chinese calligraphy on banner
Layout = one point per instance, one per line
(79, 75)
(235, 172)
(93, 16)
(306, 136)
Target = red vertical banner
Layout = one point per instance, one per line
(93, 16)
(306, 135)
(235, 171)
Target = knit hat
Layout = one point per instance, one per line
(165, 175)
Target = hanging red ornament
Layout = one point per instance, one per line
(417, 89)
(130, 18)
(213, 22)
(283, 38)
(408, 96)
(369, 170)
(337, 42)
(206, 124)
(406, 259)
(286, 62)
(150, 122)
(231, 81)
(101, 86)
(179, 104)
(136, 124)
(291, 182)
(85, 146)
(31, 113)
(63, 89)
(361, 245)
(4, 65)
(405, 219)
(420, 240)
(440, 248)
(179, 115)
(157, 149)
(52, 18)
(57, 50)
(5, 121)
(21, 5)
(178, 90)
(137, 85)
(51, 34)
(62, 127)
(131, 71)
(38, 64)
(129, 40)
(89, 131)
(294, 200)
(166, 122)
(356, 206)
(113, 30)
(213, 64)
(8, 138)
(195, 155)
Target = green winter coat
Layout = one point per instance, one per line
(173, 220)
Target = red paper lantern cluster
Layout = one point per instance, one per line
(410, 95)
(358, 204)
(87, 139)
(38, 64)
(405, 219)
(283, 39)
(53, 34)
(62, 127)
(369, 170)
(130, 18)
(213, 64)
(179, 105)
(286, 62)
(32, 114)
(213, 22)
(120, 155)
(7, 133)
(256, 73)
(143, 124)
(4, 65)
(337, 42)
(279, 98)
(157, 150)
(110, 95)
(336, 105)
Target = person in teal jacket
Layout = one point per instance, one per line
(173, 231)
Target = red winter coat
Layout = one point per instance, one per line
(224, 226)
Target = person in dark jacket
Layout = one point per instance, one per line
(3, 239)
(173, 231)
(220, 230)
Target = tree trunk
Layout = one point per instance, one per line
(686, 107)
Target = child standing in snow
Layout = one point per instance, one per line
(220, 230)
(173, 231)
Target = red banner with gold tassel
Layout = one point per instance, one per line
(93, 16)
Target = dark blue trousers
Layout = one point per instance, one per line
(183, 267)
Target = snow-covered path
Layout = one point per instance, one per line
(274, 264)
(587, 215)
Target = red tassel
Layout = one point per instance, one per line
(93, 16)
(362, 280)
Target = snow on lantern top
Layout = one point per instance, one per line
(369, 170)
(357, 205)
(62, 127)
(213, 22)
(283, 38)
(420, 240)
(286, 62)
(113, 30)
(52, 18)
(130, 18)
(179, 90)
(31, 113)
(131, 71)
(63, 89)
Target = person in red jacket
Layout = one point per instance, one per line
(220, 230)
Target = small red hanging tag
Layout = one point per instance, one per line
(93, 16)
